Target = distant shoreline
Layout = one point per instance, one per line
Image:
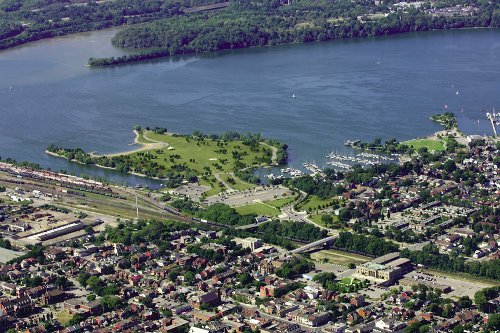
(143, 54)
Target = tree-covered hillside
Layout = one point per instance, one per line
(270, 22)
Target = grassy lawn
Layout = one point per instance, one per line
(278, 203)
(198, 155)
(436, 145)
(259, 209)
(142, 139)
(313, 202)
(339, 257)
(317, 219)
(237, 183)
(63, 317)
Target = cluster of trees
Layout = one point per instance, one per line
(98, 286)
(365, 244)
(430, 257)
(297, 266)
(446, 119)
(267, 23)
(224, 214)
(55, 208)
(248, 176)
(283, 233)
(359, 175)
(26, 164)
(216, 257)
(390, 146)
(143, 231)
(5, 243)
(483, 296)
(327, 281)
(437, 305)
(218, 212)
(316, 186)
(34, 251)
(288, 288)
(156, 129)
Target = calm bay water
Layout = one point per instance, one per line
(358, 89)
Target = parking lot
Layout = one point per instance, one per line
(460, 287)
(246, 197)
(191, 191)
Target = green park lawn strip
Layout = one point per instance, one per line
(281, 202)
(259, 209)
(432, 145)
(316, 218)
(313, 203)
(64, 317)
(339, 257)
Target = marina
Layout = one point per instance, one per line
(364, 159)
(494, 119)
(313, 167)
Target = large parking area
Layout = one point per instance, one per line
(246, 197)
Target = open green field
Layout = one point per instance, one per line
(236, 184)
(259, 209)
(278, 203)
(201, 154)
(316, 218)
(313, 203)
(430, 144)
(349, 281)
(64, 317)
(339, 257)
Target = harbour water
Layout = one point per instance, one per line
(356, 89)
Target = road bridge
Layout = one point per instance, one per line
(319, 243)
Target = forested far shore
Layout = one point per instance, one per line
(27, 21)
(245, 25)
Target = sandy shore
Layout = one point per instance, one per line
(143, 147)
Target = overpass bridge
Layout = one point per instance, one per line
(319, 243)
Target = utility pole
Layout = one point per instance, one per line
(136, 208)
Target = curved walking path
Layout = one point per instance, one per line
(275, 152)
(219, 178)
